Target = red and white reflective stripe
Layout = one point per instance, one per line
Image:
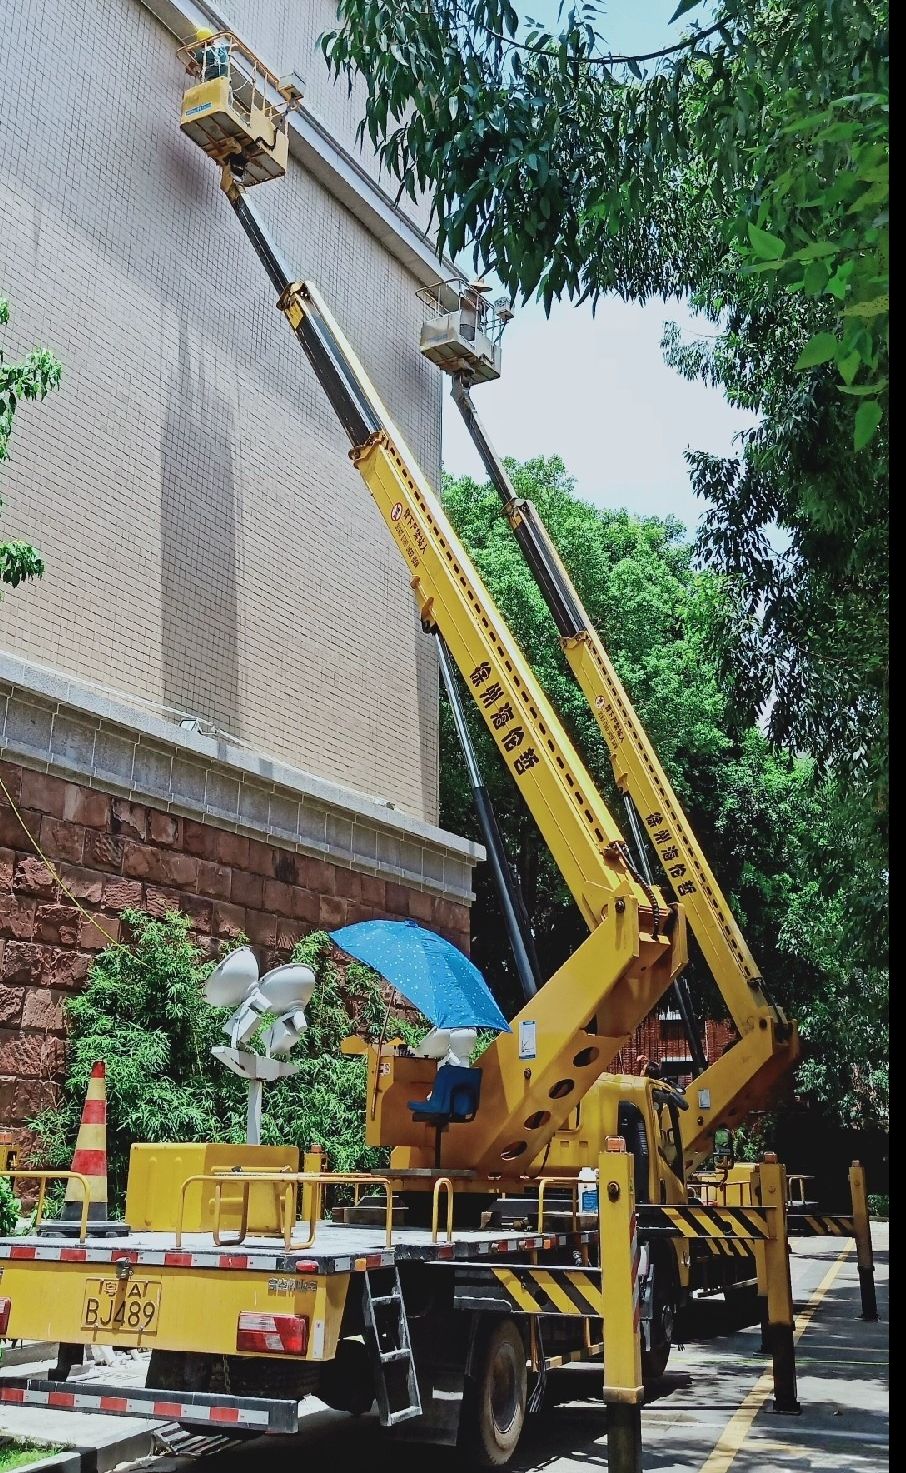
(271, 1262)
(130, 1406)
(523, 1245)
(371, 1260)
(346, 1265)
(635, 1254)
(277, 1334)
(155, 1258)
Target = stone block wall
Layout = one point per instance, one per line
(111, 853)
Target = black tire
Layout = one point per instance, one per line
(664, 1307)
(493, 1406)
(180, 1370)
(347, 1381)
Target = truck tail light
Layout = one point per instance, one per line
(272, 1334)
(5, 1307)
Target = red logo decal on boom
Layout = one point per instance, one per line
(397, 512)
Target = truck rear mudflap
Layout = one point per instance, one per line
(219, 1412)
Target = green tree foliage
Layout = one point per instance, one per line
(10, 1208)
(569, 169)
(144, 1014)
(808, 642)
(30, 377)
(743, 166)
(836, 921)
(783, 840)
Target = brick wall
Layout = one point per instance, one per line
(112, 853)
(659, 1038)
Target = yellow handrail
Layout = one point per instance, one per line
(796, 1188)
(446, 1183)
(287, 1184)
(736, 1193)
(350, 1178)
(43, 1177)
(558, 1181)
(244, 1180)
(278, 1176)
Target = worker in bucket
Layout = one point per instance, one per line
(212, 54)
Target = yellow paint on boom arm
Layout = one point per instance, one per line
(573, 818)
(745, 1078)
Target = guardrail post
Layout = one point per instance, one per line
(623, 1388)
(780, 1339)
(312, 1165)
(762, 1275)
(862, 1233)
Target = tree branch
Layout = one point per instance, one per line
(613, 60)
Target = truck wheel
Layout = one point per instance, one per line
(664, 1298)
(347, 1381)
(179, 1370)
(493, 1407)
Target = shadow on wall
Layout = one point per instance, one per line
(198, 505)
(426, 685)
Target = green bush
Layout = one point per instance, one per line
(10, 1209)
(144, 1014)
(878, 1205)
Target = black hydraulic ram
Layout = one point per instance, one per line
(680, 984)
(524, 520)
(348, 400)
(508, 893)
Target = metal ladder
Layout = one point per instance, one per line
(396, 1385)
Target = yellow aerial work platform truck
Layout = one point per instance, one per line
(445, 1307)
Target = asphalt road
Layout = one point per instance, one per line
(711, 1413)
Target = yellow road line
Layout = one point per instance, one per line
(737, 1429)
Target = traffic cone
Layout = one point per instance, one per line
(90, 1160)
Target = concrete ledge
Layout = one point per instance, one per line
(99, 1459)
(27, 1352)
(59, 724)
(67, 1461)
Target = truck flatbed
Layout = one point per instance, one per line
(338, 1248)
(200, 1288)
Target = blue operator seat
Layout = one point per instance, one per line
(454, 1097)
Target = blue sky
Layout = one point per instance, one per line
(595, 390)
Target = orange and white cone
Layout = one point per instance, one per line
(90, 1161)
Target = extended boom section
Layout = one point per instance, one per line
(744, 1078)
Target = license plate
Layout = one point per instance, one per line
(122, 1306)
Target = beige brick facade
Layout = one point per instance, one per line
(208, 545)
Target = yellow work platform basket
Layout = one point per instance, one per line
(236, 109)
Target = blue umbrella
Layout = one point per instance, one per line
(433, 975)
